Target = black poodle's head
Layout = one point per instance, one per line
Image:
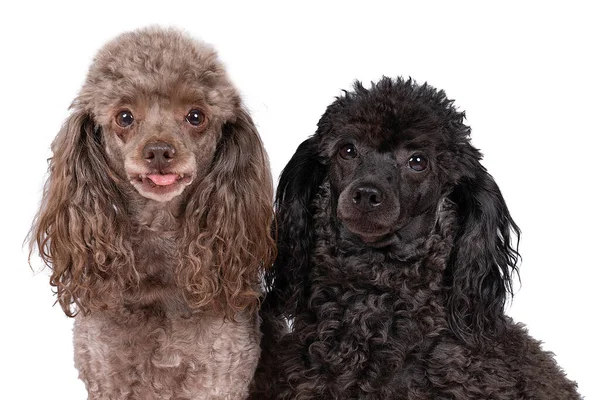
(390, 156)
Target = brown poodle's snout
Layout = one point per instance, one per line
(160, 166)
(159, 155)
(163, 153)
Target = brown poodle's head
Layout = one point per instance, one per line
(157, 124)
(160, 100)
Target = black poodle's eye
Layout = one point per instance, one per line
(124, 118)
(348, 151)
(195, 117)
(418, 162)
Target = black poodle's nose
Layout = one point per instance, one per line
(367, 197)
(158, 154)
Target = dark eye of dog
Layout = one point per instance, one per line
(195, 117)
(418, 162)
(124, 118)
(348, 151)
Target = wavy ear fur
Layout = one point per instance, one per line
(228, 242)
(287, 281)
(483, 260)
(78, 231)
(298, 184)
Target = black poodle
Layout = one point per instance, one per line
(394, 263)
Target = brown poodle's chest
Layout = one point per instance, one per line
(195, 358)
(156, 252)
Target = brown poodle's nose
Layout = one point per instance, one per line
(367, 197)
(159, 154)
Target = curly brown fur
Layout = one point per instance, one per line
(155, 223)
(394, 263)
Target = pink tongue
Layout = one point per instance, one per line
(163, 180)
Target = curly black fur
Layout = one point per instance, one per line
(394, 280)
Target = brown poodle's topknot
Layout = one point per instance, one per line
(155, 61)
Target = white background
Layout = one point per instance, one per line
(527, 74)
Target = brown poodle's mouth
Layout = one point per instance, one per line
(160, 187)
(155, 180)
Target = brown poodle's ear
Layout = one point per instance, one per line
(229, 242)
(78, 230)
(479, 275)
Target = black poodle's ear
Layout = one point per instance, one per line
(483, 260)
(298, 184)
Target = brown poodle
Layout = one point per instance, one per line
(155, 223)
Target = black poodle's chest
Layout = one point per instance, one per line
(361, 339)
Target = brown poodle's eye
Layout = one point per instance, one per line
(348, 151)
(195, 117)
(124, 118)
(418, 162)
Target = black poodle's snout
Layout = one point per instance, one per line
(367, 197)
(368, 202)
(159, 154)
(368, 208)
